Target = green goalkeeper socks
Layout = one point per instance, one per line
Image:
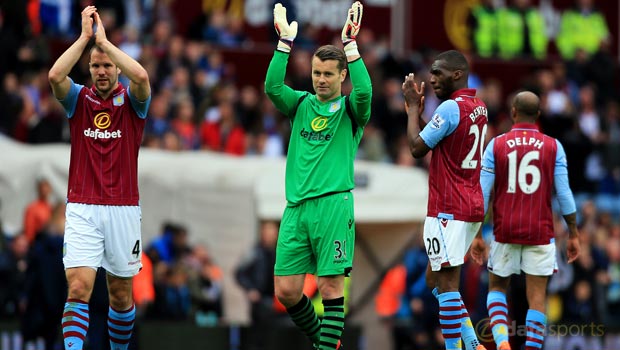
(304, 316)
(333, 323)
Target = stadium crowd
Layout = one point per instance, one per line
(199, 103)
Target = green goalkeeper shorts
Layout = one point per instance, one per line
(317, 236)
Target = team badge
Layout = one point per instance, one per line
(119, 100)
(334, 106)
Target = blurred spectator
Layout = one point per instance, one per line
(407, 305)
(143, 296)
(581, 28)
(612, 128)
(170, 247)
(11, 103)
(172, 296)
(57, 17)
(578, 148)
(224, 133)
(183, 124)
(205, 287)
(171, 141)
(157, 123)
(612, 295)
(255, 276)
(372, 147)
(482, 23)
(13, 267)
(39, 211)
(590, 125)
(521, 31)
(131, 42)
(45, 287)
(388, 106)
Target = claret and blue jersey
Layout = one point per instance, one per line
(105, 135)
(523, 166)
(456, 133)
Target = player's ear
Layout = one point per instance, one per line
(457, 74)
(118, 71)
(343, 75)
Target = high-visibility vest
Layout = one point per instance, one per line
(485, 34)
(510, 33)
(578, 31)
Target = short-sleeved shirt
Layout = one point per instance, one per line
(105, 139)
(456, 134)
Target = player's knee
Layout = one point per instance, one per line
(79, 289)
(121, 300)
(288, 296)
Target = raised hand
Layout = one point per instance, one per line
(414, 94)
(100, 36)
(351, 28)
(353, 23)
(87, 21)
(286, 31)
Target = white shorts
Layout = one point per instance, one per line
(506, 259)
(447, 241)
(103, 235)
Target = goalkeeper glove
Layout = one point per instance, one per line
(287, 32)
(351, 28)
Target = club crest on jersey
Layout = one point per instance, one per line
(334, 106)
(437, 121)
(118, 100)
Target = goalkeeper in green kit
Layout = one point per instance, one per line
(317, 232)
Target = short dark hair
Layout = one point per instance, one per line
(454, 60)
(95, 48)
(331, 52)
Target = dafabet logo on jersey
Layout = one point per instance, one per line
(102, 121)
(318, 124)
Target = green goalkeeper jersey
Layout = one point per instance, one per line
(324, 136)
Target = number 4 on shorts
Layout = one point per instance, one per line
(136, 249)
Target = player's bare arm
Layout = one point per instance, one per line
(573, 248)
(414, 105)
(58, 74)
(139, 80)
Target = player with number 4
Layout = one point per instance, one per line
(103, 211)
(523, 166)
(456, 134)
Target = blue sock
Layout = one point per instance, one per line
(535, 322)
(120, 326)
(75, 324)
(498, 312)
(468, 333)
(450, 315)
(435, 292)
